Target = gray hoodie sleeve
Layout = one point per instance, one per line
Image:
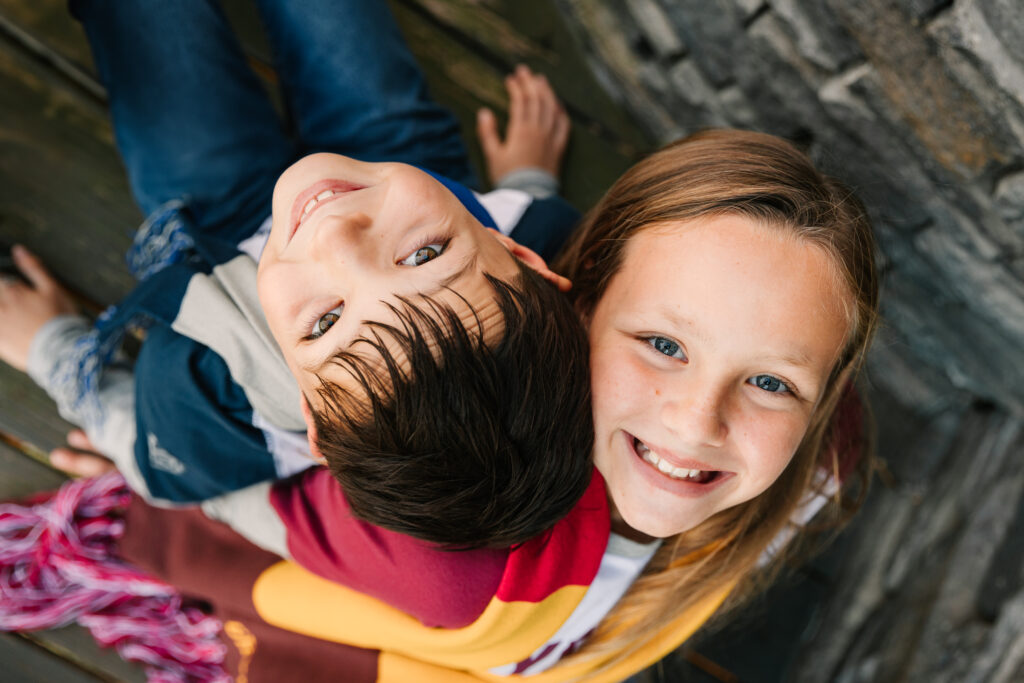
(112, 432)
(534, 181)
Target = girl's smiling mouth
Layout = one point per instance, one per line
(315, 196)
(689, 478)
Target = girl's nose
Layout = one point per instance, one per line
(696, 417)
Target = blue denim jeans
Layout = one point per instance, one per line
(192, 121)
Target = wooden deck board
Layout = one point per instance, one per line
(64, 192)
(22, 475)
(26, 662)
(74, 645)
(533, 32)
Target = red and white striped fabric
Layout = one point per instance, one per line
(57, 566)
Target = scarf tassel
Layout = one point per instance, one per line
(58, 566)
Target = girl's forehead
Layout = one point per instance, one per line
(732, 279)
(730, 235)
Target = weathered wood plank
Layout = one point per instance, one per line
(23, 475)
(464, 81)
(534, 32)
(50, 22)
(75, 645)
(26, 662)
(64, 192)
(28, 414)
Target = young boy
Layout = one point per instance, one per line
(438, 374)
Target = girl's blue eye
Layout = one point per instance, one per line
(325, 322)
(666, 346)
(770, 384)
(428, 252)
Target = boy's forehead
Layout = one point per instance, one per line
(472, 299)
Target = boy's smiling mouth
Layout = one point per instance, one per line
(315, 196)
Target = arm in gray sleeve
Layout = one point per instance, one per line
(112, 430)
(534, 181)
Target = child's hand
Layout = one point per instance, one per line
(25, 308)
(80, 457)
(538, 128)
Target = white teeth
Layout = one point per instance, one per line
(663, 466)
(313, 202)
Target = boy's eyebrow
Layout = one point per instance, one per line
(468, 264)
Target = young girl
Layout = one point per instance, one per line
(731, 294)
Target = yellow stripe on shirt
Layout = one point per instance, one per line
(290, 597)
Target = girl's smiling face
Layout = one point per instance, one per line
(709, 350)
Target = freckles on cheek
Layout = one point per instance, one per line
(777, 438)
(627, 378)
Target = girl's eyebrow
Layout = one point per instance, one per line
(797, 357)
(674, 318)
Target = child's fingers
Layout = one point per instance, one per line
(552, 106)
(560, 133)
(32, 268)
(532, 104)
(77, 439)
(81, 464)
(546, 104)
(81, 458)
(515, 98)
(487, 130)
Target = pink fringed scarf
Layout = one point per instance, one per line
(58, 565)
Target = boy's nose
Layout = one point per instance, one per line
(696, 417)
(343, 238)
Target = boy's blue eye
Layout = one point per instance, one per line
(770, 384)
(428, 252)
(325, 322)
(666, 346)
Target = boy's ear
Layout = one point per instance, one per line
(307, 415)
(533, 260)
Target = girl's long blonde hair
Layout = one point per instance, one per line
(766, 179)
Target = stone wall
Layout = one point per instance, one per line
(917, 104)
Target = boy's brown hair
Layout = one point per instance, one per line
(456, 440)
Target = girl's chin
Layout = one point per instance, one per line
(645, 526)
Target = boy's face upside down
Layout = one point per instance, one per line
(349, 238)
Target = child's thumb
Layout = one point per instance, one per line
(31, 267)
(487, 130)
